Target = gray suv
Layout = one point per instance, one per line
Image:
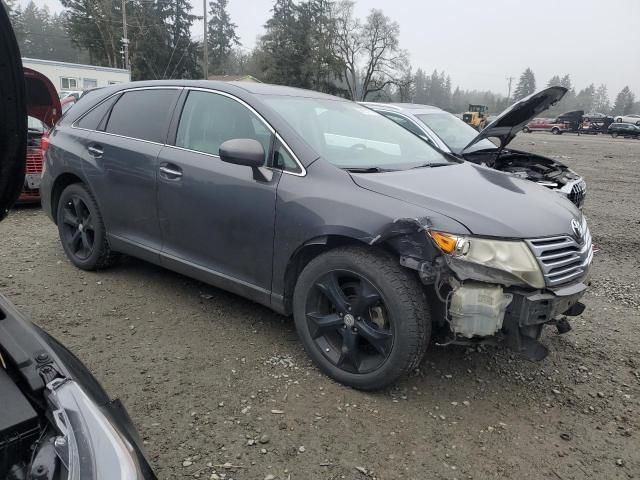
(320, 208)
(450, 134)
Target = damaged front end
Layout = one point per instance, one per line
(487, 290)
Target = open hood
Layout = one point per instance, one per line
(42, 99)
(506, 125)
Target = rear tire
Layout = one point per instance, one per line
(526, 130)
(81, 229)
(614, 134)
(368, 347)
(555, 131)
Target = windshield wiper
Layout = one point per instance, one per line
(367, 169)
(432, 165)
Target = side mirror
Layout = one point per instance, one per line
(243, 151)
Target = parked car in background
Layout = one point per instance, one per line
(67, 102)
(624, 130)
(448, 133)
(44, 110)
(56, 421)
(632, 118)
(546, 125)
(319, 207)
(69, 93)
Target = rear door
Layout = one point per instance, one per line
(217, 219)
(122, 169)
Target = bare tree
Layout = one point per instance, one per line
(348, 44)
(370, 53)
(385, 62)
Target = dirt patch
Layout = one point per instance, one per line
(221, 388)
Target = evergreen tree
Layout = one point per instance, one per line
(183, 59)
(283, 46)
(601, 100)
(585, 98)
(96, 25)
(222, 37)
(420, 87)
(624, 103)
(526, 85)
(554, 81)
(42, 35)
(318, 28)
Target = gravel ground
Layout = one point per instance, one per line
(221, 388)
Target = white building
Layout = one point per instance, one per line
(74, 76)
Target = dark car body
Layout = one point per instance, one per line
(146, 154)
(624, 130)
(447, 132)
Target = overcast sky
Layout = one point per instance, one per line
(481, 43)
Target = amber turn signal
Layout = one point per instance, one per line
(447, 243)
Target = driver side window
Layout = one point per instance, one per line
(209, 119)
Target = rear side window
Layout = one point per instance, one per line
(209, 119)
(143, 114)
(94, 120)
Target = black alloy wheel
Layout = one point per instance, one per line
(77, 230)
(81, 229)
(349, 322)
(362, 317)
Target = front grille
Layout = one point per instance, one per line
(563, 259)
(578, 192)
(34, 161)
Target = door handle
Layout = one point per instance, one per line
(171, 173)
(95, 150)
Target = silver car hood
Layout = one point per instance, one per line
(506, 125)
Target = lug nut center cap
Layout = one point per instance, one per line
(349, 321)
(80, 227)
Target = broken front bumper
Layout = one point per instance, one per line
(536, 308)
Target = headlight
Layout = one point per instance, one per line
(499, 261)
(89, 445)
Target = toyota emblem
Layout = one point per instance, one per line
(577, 229)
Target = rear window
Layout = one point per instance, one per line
(94, 119)
(143, 114)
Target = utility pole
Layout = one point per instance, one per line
(509, 79)
(205, 66)
(125, 39)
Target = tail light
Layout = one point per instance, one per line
(44, 142)
(44, 146)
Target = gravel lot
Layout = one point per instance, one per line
(221, 388)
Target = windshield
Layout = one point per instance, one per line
(453, 131)
(351, 136)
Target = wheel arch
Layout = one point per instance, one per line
(61, 182)
(399, 243)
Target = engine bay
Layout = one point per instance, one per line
(20, 431)
(535, 168)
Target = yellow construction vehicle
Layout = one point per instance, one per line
(476, 116)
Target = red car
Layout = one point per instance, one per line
(44, 110)
(546, 125)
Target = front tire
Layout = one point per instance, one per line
(362, 318)
(555, 131)
(614, 134)
(526, 130)
(81, 229)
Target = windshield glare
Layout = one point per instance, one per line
(453, 131)
(352, 136)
